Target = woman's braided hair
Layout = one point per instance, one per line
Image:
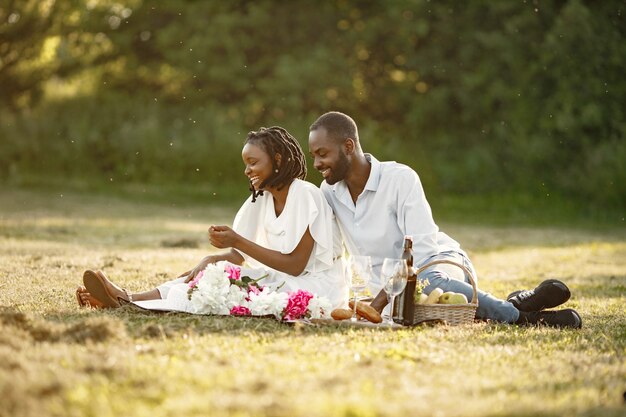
(276, 140)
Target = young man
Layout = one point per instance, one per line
(378, 203)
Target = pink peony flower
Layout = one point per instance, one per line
(240, 311)
(194, 282)
(253, 289)
(234, 272)
(297, 305)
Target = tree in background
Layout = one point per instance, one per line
(40, 40)
(478, 97)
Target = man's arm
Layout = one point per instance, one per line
(415, 217)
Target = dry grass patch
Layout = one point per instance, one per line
(58, 360)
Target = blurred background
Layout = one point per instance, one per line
(503, 102)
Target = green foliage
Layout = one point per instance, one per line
(113, 139)
(483, 97)
(44, 39)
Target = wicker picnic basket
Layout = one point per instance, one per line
(453, 314)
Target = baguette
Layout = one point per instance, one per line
(367, 312)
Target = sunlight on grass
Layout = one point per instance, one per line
(56, 359)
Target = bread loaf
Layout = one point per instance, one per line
(366, 311)
(341, 314)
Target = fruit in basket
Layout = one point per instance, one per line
(433, 297)
(452, 298)
(422, 299)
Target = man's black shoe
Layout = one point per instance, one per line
(556, 318)
(550, 293)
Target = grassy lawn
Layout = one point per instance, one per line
(59, 360)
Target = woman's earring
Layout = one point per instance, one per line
(276, 170)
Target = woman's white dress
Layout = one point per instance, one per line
(305, 208)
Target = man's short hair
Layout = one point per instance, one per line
(339, 126)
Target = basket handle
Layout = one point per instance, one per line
(467, 271)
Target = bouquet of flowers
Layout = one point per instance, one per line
(419, 289)
(220, 289)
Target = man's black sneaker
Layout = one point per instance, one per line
(555, 318)
(515, 293)
(550, 293)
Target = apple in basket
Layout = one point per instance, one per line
(452, 298)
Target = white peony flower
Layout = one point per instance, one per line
(319, 307)
(212, 291)
(236, 297)
(267, 302)
(214, 294)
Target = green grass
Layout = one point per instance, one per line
(59, 360)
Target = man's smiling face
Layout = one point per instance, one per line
(328, 156)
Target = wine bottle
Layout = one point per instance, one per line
(405, 301)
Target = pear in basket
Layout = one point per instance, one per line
(452, 298)
(433, 297)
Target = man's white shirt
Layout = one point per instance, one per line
(391, 206)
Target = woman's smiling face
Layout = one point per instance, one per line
(258, 164)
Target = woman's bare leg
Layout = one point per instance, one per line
(108, 293)
(88, 300)
(153, 294)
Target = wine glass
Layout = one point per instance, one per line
(394, 274)
(360, 268)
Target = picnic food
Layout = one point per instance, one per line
(366, 311)
(423, 298)
(433, 297)
(452, 298)
(341, 314)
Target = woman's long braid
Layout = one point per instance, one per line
(254, 192)
(276, 140)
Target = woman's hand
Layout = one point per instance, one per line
(223, 237)
(200, 267)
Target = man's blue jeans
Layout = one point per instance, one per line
(452, 278)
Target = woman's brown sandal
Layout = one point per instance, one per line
(121, 300)
(105, 291)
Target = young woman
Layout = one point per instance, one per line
(285, 229)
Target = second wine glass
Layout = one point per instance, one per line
(394, 274)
